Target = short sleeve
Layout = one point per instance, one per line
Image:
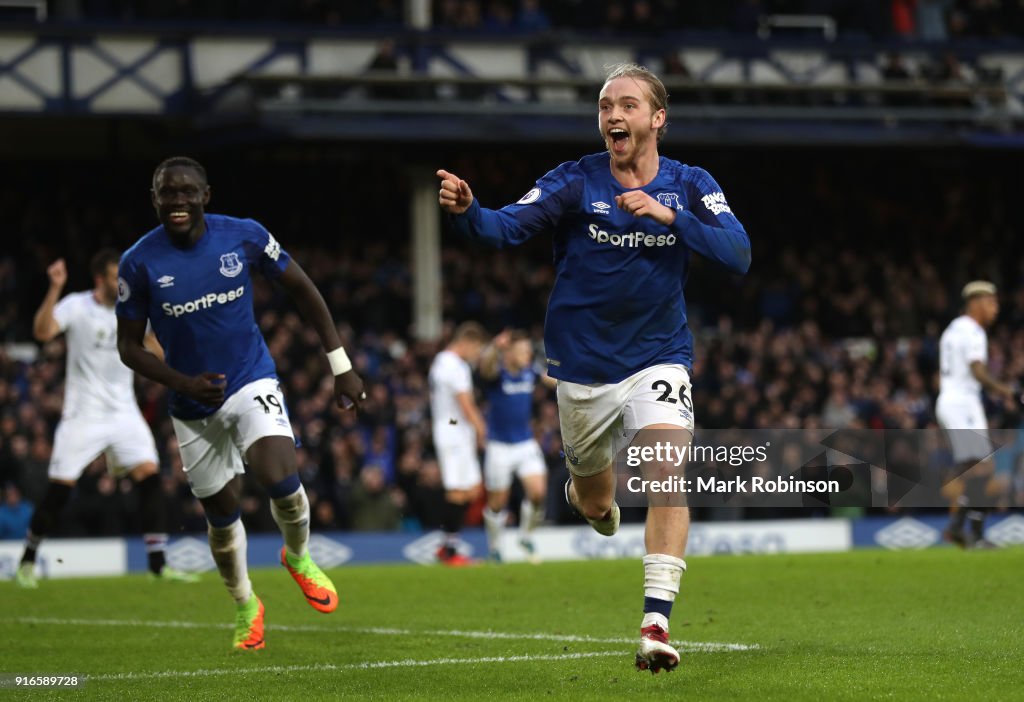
(459, 378)
(264, 251)
(132, 290)
(64, 312)
(976, 347)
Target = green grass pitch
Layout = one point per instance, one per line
(927, 625)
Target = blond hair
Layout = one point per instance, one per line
(656, 93)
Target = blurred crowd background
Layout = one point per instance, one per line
(858, 261)
(933, 20)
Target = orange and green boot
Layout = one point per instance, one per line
(249, 625)
(317, 587)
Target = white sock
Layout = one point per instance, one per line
(654, 618)
(292, 516)
(662, 574)
(530, 517)
(494, 522)
(228, 546)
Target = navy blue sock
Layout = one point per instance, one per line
(662, 607)
(286, 487)
(219, 522)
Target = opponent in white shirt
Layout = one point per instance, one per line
(459, 431)
(963, 358)
(100, 414)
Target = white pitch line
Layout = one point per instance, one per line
(692, 646)
(368, 665)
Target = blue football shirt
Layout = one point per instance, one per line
(199, 301)
(510, 405)
(617, 305)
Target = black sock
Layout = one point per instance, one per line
(976, 519)
(32, 542)
(154, 521)
(956, 518)
(157, 560)
(451, 524)
(44, 518)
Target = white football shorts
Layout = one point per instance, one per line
(504, 460)
(600, 419)
(963, 418)
(460, 466)
(213, 448)
(124, 438)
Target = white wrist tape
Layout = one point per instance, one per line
(339, 361)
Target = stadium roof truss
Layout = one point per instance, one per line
(452, 87)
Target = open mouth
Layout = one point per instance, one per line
(179, 217)
(619, 138)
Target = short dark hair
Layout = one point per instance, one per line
(102, 259)
(471, 331)
(180, 161)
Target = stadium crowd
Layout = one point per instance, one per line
(930, 20)
(835, 326)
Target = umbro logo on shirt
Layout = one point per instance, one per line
(600, 207)
(166, 281)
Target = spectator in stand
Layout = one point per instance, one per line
(15, 513)
(375, 506)
(931, 21)
(531, 17)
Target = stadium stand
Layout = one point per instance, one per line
(836, 325)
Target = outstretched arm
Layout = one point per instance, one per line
(45, 325)
(536, 212)
(348, 386)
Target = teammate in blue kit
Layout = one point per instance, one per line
(506, 367)
(624, 224)
(190, 279)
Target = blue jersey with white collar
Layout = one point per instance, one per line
(617, 305)
(510, 405)
(199, 301)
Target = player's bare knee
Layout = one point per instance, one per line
(497, 500)
(272, 459)
(659, 471)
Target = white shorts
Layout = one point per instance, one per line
(460, 466)
(599, 420)
(213, 448)
(963, 418)
(124, 438)
(503, 460)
